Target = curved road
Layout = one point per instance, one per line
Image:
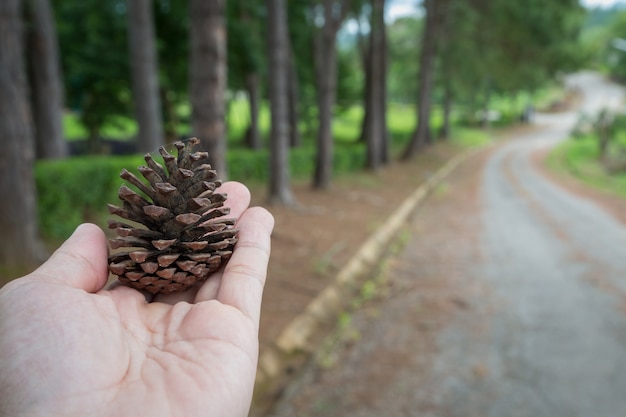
(508, 300)
(558, 348)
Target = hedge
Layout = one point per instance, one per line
(78, 189)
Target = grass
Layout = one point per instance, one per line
(471, 138)
(346, 126)
(579, 159)
(73, 128)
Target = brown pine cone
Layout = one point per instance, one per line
(179, 235)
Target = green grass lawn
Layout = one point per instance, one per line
(346, 125)
(579, 158)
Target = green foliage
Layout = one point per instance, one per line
(94, 57)
(533, 40)
(246, 42)
(73, 129)
(403, 58)
(74, 190)
(579, 158)
(78, 189)
(172, 33)
(614, 58)
(471, 138)
(350, 78)
(504, 47)
(172, 30)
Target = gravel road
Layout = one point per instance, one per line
(508, 300)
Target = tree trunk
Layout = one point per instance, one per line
(46, 81)
(375, 125)
(421, 135)
(386, 140)
(279, 191)
(253, 136)
(326, 83)
(20, 244)
(326, 80)
(207, 81)
(145, 75)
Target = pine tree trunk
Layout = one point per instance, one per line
(375, 126)
(20, 244)
(326, 78)
(145, 75)
(279, 191)
(421, 135)
(207, 81)
(386, 141)
(46, 81)
(325, 50)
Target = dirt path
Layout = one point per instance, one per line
(509, 299)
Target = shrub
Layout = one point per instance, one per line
(78, 189)
(75, 190)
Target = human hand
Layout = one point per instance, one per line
(69, 347)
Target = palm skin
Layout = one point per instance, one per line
(71, 348)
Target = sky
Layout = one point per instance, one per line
(398, 8)
(599, 3)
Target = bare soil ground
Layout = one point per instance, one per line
(314, 239)
(437, 267)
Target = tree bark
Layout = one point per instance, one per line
(46, 81)
(20, 244)
(145, 75)
(279, 190)
(422, 133)
(326, 80)
(326, 83)
(207, 81)
(375, 119)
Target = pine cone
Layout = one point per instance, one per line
(184, 237)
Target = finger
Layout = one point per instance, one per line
(244, 275)
(81, 262)
(209, 289)
(238, 199)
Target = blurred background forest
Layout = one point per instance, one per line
(276, 90)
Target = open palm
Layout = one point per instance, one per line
(69, 347)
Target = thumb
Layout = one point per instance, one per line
(81, 262)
